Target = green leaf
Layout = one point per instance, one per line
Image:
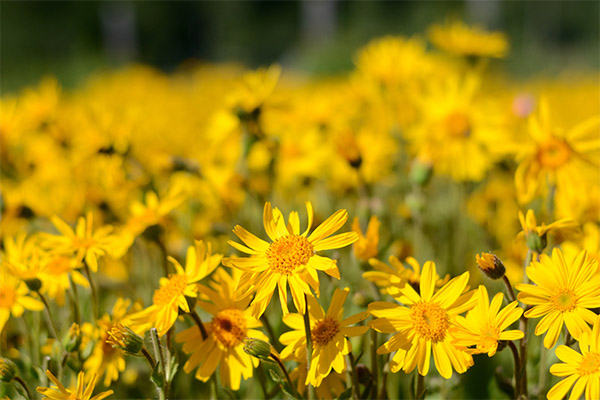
(157, 377)
(346, 394)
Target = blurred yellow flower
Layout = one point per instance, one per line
(13, 297)
(366, 245)
(458, 38)
(80, 392)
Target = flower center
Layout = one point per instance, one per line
(489, 337)
(84, 243)
(457, 124)
(554, 153)
(590, 364)
(229, 327)
(7, 297)
(289, 253)
(324, 331)
(564, 300)
(430, 320)
(169, 292)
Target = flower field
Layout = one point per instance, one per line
(422, 226)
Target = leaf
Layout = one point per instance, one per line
(157, 377)
(346, 394)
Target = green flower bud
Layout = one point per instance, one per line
(257, 348)
(33, 284)
(8, 370)
(72, 339)
(122, 337)
(536, 242)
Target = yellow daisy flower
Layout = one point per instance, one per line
(291, 257)
(485, 324)
(581, 369)
(391, 278)
(153, 211)
(562, 294)
(13, 297)
(530, 227)
(167, 300)
(80, 392)
(86, 244)
(422, 326)
(366, 245)
(458, 38)
(328, 333)
(232, 322)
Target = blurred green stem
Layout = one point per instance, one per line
(307, 331)
(93, 288)
(354, 376)
(24, 385)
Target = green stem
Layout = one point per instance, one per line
(354, 376)
(307, 333)
(198, 322)
(148, 357)
(24, 385)
(420, 391)
(542, 374)
(517, 361)
(93, 288)
(285, 372)
(374, 364)
(159, 356)
(50, 321)
(74, 297)
(214, 393)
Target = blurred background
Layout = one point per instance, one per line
(74, 39)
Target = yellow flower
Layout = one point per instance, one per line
(457, 38)
(529, 225)
(329, 333)
(153, 211)
(566, 159)
(366, 245)
(562, 294)
(391, 278)
(80, 392)
(582, 369)
(332, 386)
(423, 326)
(232, 322)
(290, 259)
(13, 298)
(485, 324)
(83, 242)
(490, 265)
(167, 300)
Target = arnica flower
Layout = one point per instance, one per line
(366, 245)
(13, 298)
(231, 324)
(490, 265)
(332, 386)
(122, 337)
(424, 325)
(565, 159)
(291, 257)
(535, 236)
(562, 294)
(80, 392)
(484, 326)
(86, 244)
(328, 333)
(581, 369)
(457, 38)
(173, 291)
(153, 211)
(391, 278)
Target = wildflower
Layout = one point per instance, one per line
(484, 326)
(232, 323)
(83, 242)
(535, 235)
(328, 333)
(173, 291)
(490, 265)
(153, 211)
(366, 245)
(423, 326)
(581, 369)
(122, 337)
(8, 369)
(80, 392)
(72, 340)
(291, 258)
(457, 38)
(562, 294)
(257, 348)
(13, 298)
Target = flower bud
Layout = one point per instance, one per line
(257, 348)
(122, 337)
(536, 242)
(33, 284)
(490, 265)
(8, 370)
(72, 339)
(363, 374)
(420, 172)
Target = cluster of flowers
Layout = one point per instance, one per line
(436, 149)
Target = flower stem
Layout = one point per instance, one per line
(420, 392)
(159, 356)
(515, 354)
(374, 363)
(93, 288)
(511, 293)
(74, 297)
(542, 374)
(198, 322)
(50, 321)
(148, 357)
(307, 332)
(285, 372)
(22, 383)
(355, 383)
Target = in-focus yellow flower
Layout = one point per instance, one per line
(581, 369)
(422, 326)
(13, 297)
(458, 38)
(485, 324)
(529, 225)
(332, 386)
(83, 242)
(567, 159)
(562, 294)
(393, 277)
(328, 333)
(291, 258)
(232, 322)
(366, 245)
(80, 392)
(167, 300)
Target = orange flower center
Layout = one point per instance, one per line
(430, 320)
(324, 331)
(288, 253)
(489, 337)
(564, 300)
(590, 364)
(170, 291)
(457, 124)
(229, 327)
(554, 153)
(84, 243)
(7, 297)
